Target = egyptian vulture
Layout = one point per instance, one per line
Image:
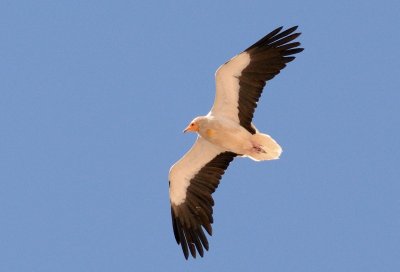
(224, 133)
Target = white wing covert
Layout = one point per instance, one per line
(240, 81)
(192, 181)
(239, 85)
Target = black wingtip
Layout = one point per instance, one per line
(292, 51)
(275, 35)
(194, 215)
(276, 30)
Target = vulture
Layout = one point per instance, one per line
(224, 133)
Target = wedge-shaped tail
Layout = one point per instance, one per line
(265, 148)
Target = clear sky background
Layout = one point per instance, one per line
(94, 96)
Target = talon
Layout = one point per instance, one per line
(259, 149)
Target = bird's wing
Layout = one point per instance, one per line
(192, 181)
(240, 81)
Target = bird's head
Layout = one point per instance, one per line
(194, 126)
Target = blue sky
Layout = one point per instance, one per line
(93, 99)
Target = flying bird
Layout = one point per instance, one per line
(225, 132)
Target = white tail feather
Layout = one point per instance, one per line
(271, 150)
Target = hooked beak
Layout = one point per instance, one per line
(191, 128)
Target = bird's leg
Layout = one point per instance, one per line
(258, 148)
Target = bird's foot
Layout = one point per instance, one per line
(258, 148)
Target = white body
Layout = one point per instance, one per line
(217, 135)
(230, 136)
(225, 132)
(221, 131)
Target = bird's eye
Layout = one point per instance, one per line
(192, 124)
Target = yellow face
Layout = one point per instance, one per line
(192, 127)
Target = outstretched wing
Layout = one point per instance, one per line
(192, 181)
(240, 81)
